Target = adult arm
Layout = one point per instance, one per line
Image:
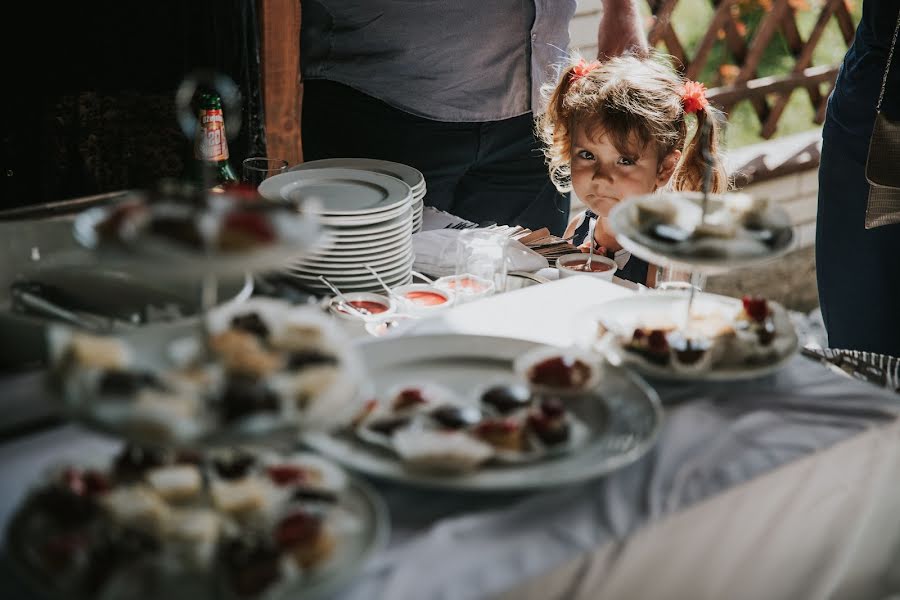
(620, 29)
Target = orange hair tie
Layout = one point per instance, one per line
(693, 97)
(582, 69)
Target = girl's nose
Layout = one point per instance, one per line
(601, 172)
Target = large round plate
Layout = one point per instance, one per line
(335, 260)
(359, 499)
(633, 414)
(163, 261)
(622, 314)
(622, 222)
(340, 192)
(366, 286)
(362, 234)
(409, 175)
(377, 248)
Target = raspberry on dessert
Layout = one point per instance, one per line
(548, 421)
(756, 307)
(409, 398)
(299, 528)
(282, 475)
(388, 425)
(552, 407)
(85, 483)
(560, 372)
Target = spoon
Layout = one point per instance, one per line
(387, 290)
(360, 312)
(587, 265)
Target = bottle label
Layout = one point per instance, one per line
(211, 142)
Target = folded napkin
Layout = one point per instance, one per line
(436, 254)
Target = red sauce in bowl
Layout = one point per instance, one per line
(366, 305)
(596, 266)
(423, 298)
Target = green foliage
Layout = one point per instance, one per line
(690, 20)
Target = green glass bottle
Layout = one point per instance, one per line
(211, 145)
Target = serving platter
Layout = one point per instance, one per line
(624, 414)
(598, 328)
(712, 254)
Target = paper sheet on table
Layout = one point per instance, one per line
(436, 254)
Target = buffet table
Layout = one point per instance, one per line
(715, 437)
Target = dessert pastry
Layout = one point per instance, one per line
(502, 434)
(651, 344)
(245, 395)
(175, 483)
(409, 398)
(90, 351)
(153, 520)
(560, 372)
(450, 416)
(506, 399)
(242, 352)
(550, 422)
(450, 452)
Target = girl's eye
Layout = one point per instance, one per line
(624, 160)
(585, 155)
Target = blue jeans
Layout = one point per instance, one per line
(858, 269)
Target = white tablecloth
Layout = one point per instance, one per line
(469, 546)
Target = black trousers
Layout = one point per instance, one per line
(490, 171)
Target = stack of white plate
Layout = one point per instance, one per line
(367, 218)
(409, 175)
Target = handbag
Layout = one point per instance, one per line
(883, 161)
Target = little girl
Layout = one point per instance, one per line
(617, 129)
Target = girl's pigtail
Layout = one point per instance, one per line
(555, 123)
(692, 167)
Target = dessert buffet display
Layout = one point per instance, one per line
(672, 229)
(432, 428)
(256, 369)
(487, 413)
(175, 235)
(239, 523)
(722, 339)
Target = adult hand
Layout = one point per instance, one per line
(620, 29)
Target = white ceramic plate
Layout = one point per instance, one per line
(340, 192)
(402, 266)
(631, 415)
(354, 252)
(363, 220)
(368, 241)
(356, 268)
(624, 314)
(390, 225)
(622, 222)
(409, 175)
(370, 286)
(359, 234)
(334, 260)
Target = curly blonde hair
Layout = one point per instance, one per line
(634, 100)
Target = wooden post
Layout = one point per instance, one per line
(282, 91)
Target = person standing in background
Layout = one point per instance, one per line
(450, 88)
(858, 269)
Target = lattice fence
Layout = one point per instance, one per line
(746, 45)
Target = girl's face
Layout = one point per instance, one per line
(602, 175)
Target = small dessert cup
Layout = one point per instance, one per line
(422, 298)
(466, 288)
(571, 265)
